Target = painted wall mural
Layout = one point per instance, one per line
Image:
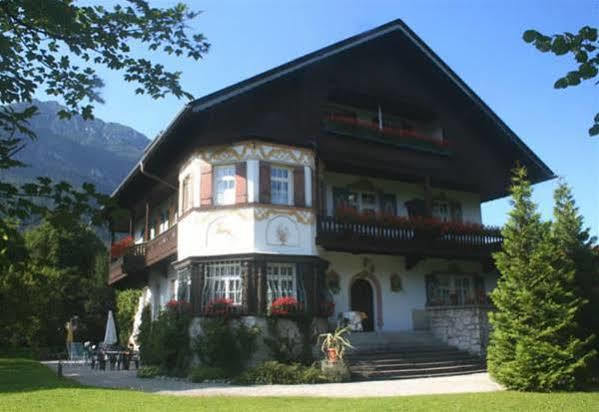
(282, 231)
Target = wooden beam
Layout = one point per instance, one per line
(428, 197)
(147, 223)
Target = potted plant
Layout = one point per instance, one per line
(334, 344)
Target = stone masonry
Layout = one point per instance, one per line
(465, 327)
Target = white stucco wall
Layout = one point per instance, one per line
(397, 307)
(250, 229)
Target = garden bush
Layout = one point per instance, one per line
(226, 345)
(207, 373)
(165, 341)
(147, 372)
(276, 373)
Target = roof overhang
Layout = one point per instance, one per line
(213, 99)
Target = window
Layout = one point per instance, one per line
(280, 185)
(462, 289)
(224, 185)
(187, 196)
(442, 211)
(365, 202)
(223, 281)
(446, 289)
(172, 289)
(281, 281)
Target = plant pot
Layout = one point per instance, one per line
(332, 355)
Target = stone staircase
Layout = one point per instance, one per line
(402, 355)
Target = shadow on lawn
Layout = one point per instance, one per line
(22, 375)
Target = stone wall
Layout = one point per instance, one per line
(465, 327)
(286, 328)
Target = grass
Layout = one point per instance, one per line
(28, 385)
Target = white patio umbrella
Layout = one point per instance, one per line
(110, 335)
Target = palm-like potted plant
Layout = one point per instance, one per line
(334, 344)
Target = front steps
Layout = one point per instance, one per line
(402, 355)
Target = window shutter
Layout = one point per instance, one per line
(456, 211)
(299, 187)
(206, 186)
(241, 193)
(264, 182)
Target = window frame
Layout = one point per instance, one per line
(228, 195)
(186, 193)
(215, 290)
(279, 278)
(289, 180)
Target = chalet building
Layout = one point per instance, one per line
(353, 175)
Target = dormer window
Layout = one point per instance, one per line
(280, 185)
(224, 185)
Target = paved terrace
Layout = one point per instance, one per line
(478, 382)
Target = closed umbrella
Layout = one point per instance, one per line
(110, 335)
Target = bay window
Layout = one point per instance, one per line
(224, 185)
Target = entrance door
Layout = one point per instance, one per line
(362, 301)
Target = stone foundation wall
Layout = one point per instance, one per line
(286, 327)
(465, 327)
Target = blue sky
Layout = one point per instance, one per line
(480, 40)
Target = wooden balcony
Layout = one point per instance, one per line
(162, 246)
(416, 244)
(138, 257)
(407, 139)
(131, 262)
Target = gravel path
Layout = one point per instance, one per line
(478, 382)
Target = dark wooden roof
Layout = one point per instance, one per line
(188, 122)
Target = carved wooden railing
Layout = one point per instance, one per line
(335, 234)
(162, 246)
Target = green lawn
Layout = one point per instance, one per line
(27, 385)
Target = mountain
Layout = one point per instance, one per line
(77, 150)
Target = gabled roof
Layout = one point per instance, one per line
(397, 25)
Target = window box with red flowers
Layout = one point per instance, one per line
(286, 306)
(119, 248)
(178, 306)
(219, 308)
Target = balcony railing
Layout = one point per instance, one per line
(350, 126)
(162, 246)
(375, 237)
(137, 257)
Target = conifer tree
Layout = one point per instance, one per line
(533, 344)
(575, 242)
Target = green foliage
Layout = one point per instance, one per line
(583, 46)
(534, 344)
(65, 275)
(226, 345)
(148, 372)
(165, 342)
(54, 47)
(287, 348)
(275, 373)
(126, 306)
(207, 373)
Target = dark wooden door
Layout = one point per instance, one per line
(362, 301)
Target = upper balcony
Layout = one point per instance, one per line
(415, 239)
(399, 131)
(128, 259)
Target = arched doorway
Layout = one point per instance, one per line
(362, 300)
